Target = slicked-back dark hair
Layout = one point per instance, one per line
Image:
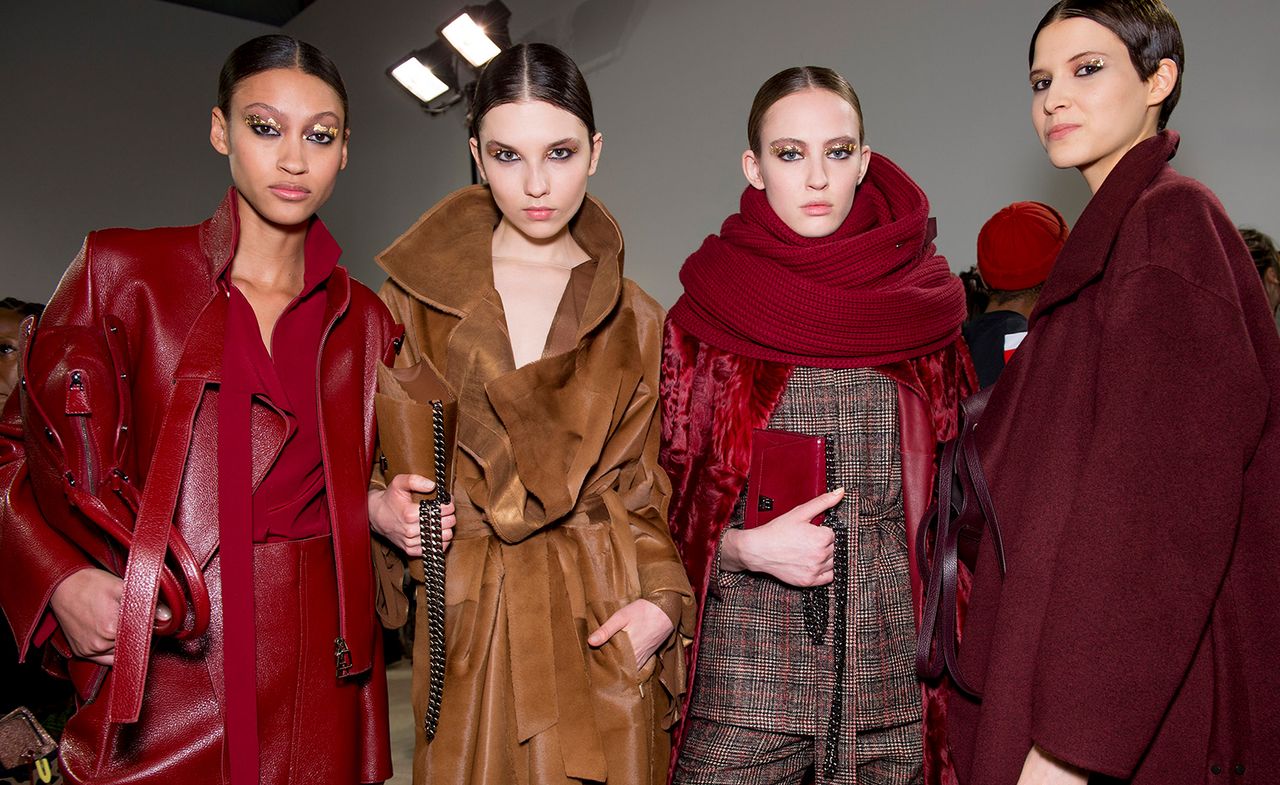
(532, 72)
(277, 50)
(1147, 27)
(794, 80)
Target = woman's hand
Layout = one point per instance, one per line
(789, 547)
(1041, 769)
(645, 623)
(87, 607)
(393, 513)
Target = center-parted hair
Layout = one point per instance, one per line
(795, 80)
(268, 52)
(532, 72)
(1147, 28)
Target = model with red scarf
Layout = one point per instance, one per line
(242, 363)
(821, 307)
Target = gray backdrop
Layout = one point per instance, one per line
(107, 113)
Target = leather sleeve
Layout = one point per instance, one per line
(389, 562)
(34, 558)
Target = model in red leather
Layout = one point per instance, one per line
(249, 359)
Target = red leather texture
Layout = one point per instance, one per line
(161, 284)
(787, 469)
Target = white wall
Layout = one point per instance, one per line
(943, 86)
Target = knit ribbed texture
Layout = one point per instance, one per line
(872, 293)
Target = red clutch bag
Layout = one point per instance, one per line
(787, 469)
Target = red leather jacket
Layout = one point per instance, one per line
(706, 451)
(163, 286)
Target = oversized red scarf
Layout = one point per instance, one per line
(874, 292)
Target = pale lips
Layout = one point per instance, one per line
(1060, 131)
(817, 208)
(539, 212)
(290, 192)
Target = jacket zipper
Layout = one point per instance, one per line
(342, 654)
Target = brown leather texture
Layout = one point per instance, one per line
(23, 740)
(162, 285)
(561, 511)
(787, 469)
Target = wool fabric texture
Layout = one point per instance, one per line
(1018, 246)
(874, 292)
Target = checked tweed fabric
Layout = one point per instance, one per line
(757, 667)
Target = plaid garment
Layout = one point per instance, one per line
(758, 668)
(716, 754)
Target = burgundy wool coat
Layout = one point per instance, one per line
(711, 401)
(1133, 451)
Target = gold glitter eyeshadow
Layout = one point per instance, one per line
(779, 150)
(847, 147)
(321, 128)
(257, 120)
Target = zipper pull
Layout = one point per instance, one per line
(77, 396)
(342, 655)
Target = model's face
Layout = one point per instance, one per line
(812, 160)
(1089, 106)
(536, 158)
(286, 139)
(10, 323)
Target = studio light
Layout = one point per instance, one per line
(470, 38)
(418, 79)
(430, 76)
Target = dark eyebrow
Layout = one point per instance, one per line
(568, 140)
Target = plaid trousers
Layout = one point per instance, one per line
(716, 754)
(757, 667)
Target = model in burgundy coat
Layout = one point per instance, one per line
(1133, 449)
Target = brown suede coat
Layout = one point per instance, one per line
(561, 514)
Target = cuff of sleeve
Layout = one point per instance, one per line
(671, 603)
(721, 579)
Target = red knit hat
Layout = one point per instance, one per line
(1017, 247)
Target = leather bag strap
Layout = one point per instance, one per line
(963, 505)
(146, 556)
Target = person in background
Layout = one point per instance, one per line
(1016, 251)
(12, 312)
(1263, 250)
(976, 295)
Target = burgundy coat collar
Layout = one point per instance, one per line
(201, 356)
(1084, 257)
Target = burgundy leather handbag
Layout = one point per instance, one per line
(77, 410)
(961, 511)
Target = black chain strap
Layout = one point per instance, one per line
(433, 573)
(840, 587)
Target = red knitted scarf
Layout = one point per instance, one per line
(872, 293)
